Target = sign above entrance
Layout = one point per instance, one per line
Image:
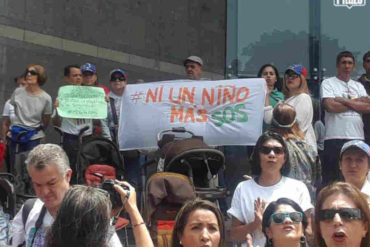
(349, 3)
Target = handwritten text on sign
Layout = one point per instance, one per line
(227, 112)
(82, 102)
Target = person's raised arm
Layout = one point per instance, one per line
(239, 230)
(141, 233)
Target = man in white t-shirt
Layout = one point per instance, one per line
(48, 167)
(344, 100)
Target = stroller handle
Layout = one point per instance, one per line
(174, 130)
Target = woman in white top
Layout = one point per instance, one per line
(297, 95)
(270, 165)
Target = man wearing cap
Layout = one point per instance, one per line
(344, 101)
(70, 127)
(365, 81)
(90, 76)
(118, 82)
(193, 67)
(354, 163)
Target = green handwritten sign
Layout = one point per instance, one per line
(82, 102)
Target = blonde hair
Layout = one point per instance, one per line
(303, 88)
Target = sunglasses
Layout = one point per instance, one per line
(345, 213)
(32, 72)
(291, 76)
(279, 218)
(121, 78)
(267, 150)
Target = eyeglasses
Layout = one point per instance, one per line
(121, 78)
(279, 218)
(345, 213)
(267, 150)
(32, 72)
(291, 76)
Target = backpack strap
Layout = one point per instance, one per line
(27, 207)
(38, 224)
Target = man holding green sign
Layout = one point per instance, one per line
(77, 106)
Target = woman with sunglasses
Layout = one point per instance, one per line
(33, 108)
(284, 224)
(270, 165)
(296, 94)
(342, 217)
(84, 218)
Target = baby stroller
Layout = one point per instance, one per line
(98, 155)
(99, 158)
(193, 158)
(167, 192)
(8, 205)
(190, 169)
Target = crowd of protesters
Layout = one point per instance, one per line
(275, 206)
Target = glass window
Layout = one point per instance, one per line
(268, 31)
(284, 32)
(344, 29)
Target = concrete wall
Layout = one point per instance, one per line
(147, 38)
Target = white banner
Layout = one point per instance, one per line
(226, 112)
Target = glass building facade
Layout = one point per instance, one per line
(285, 32)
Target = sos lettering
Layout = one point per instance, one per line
(230, 114)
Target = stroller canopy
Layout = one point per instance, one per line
(99, 150)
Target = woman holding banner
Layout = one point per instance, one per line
(273, 95)
(297, 95)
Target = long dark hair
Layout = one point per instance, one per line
(272, 207)
(278, 83)
(82, 219)
(255, 158)
(183, 216)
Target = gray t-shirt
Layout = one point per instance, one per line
(29, 109)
